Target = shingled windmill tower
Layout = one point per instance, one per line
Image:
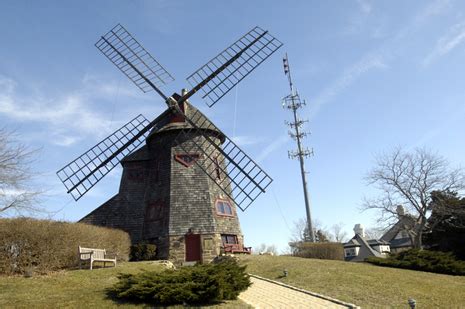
(182, 188)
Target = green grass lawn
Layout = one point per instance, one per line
(363, 284)
(74, 289)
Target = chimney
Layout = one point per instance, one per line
(359, 229)
(400, 211)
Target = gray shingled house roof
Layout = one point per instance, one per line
(405, 222)
(365, 249)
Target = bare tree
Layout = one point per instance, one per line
(338, 233)
(16, 195)
(300, 231)
(408, 178)
(374, 232)
(264, 248)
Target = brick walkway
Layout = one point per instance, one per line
(266, 293)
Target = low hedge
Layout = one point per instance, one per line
(424, 260)
(43, 245)
(143, 252)
(199, 284)
(323, 250)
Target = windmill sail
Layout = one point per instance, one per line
(121, 48)
(233, 167)
(84, 172)
(222, 73)
(215, 79)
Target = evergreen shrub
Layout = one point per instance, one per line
(424, 260)
(143, 252)
(199, 284)
(44, 245)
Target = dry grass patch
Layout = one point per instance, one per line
(363, 284)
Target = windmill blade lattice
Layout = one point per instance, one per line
(83, 173)
(235, 168)
(244, 56)
(121, 48)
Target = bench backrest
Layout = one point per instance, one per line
(96, 253)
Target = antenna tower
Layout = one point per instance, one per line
(294, 103)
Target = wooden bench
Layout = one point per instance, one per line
(94, 255)
(236, 248)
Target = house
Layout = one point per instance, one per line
(396, 239)
(359, 247)
(398, 236)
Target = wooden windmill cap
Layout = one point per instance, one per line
(172, 121)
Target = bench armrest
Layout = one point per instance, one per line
(91, 252)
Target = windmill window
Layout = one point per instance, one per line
(187, 159)
(136, 175)
(217, 168)
(153, 211)
(224, 208)
(229, 239)
(157, 172)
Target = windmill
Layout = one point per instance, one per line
(179, 190)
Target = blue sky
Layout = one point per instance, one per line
(375, 75)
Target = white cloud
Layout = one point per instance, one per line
(432, 9)
(346, 79)
(456, 115)
(12, 192)
(365, 6)
(69, 117)
(7, 85)
(97, 87)
(278, 143)
(245, 140)
(64, 140)
(453, 38)
(379, 57)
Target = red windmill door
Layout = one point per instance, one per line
(193, 250)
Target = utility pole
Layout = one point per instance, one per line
(294, 103)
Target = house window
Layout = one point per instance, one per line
(224, 208)
(350, 252)
(229, 239)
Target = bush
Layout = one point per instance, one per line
(45, 245)
(143, 252)
(200, 284)
(424, 260)
(324, 250)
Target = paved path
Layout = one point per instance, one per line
(266, 293)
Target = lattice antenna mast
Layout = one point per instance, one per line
(294, 103)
